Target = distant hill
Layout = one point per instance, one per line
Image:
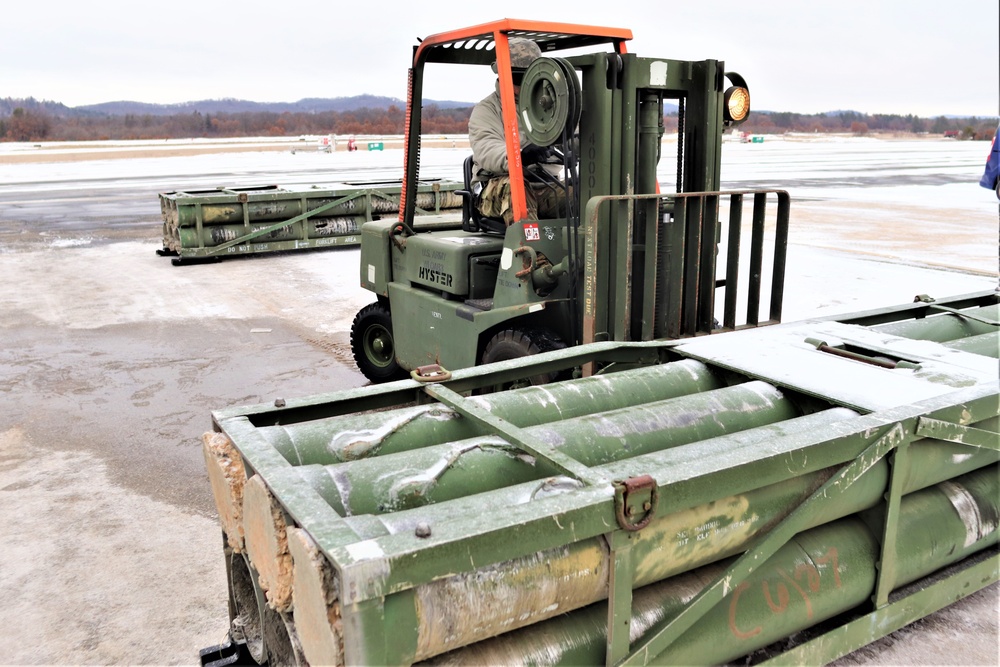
(306, 105)
(57, 109)
(227, 105)
(28, 119)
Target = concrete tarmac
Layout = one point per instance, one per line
(112, 360)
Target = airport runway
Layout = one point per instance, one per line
(113, 360)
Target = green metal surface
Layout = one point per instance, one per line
(818, 574)
(216, 235)
(362, 435)
(202, 224)
(953, 325)
(457, 469)
(987, 344)
(466, 517)
(906, 607)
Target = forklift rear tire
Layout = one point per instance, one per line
(517, 343)
(373, 346)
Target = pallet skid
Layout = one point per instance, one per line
(233, 221)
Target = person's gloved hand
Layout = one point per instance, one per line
(532, 154)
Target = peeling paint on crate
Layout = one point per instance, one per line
(365, 550)
(509, 595)
(353, 445)
(555, 486)
(410, 490)
(977, 526)
(343, 484)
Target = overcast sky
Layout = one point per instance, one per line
(876, 56)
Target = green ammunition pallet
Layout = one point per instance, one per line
(201, 225)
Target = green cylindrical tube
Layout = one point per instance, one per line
(945, 523)
(818, 574)
(405, 521)
(822, 572)
(282, 208)
(946, 327)
(316, 228)
(928, 461)
(987, 344)
(466, 608)
(258, 211)
(350, 437)
(443, 472)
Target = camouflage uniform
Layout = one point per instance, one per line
(489, 150)
(544, 201)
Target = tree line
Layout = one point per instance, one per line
(35, 124)
(860, 124)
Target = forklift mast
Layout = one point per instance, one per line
(634, 257)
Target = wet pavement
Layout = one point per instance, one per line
(113, 361)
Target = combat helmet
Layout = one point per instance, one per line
(523, 52)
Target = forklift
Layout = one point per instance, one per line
(785, 494)
(632, 259)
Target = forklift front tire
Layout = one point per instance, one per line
(373, 346)
(518, 343)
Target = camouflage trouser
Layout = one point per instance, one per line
(544, 201)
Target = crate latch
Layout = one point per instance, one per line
(635, 502)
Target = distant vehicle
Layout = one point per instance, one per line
(324, 144)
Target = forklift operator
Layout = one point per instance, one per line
(489, 150)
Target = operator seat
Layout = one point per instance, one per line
(472, 219)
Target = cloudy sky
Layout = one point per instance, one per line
(876, 56)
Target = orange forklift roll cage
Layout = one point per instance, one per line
(482, 45)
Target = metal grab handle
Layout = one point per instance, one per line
(881, 362)
(430, 373)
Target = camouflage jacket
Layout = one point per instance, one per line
(486, 136)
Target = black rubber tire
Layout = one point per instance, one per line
(373, 345)
(518, 343)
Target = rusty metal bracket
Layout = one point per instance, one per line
(430, 373)
(529, 264)
(635, 502)
(396, 230)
